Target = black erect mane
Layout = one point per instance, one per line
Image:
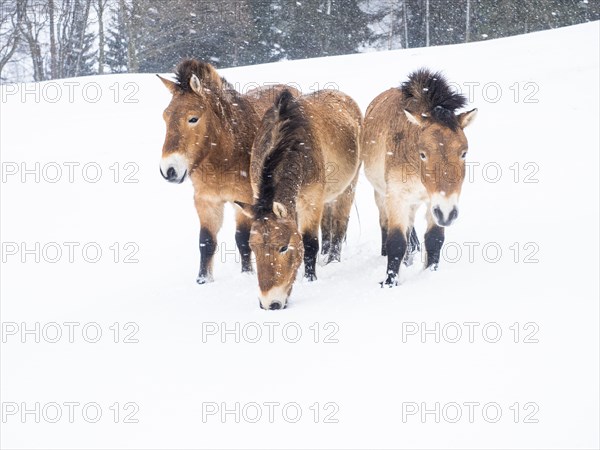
(434, 95)
(204, 71)
(289, 117)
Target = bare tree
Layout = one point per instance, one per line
(426, 23)
(72, 39)
(100, 7)
(33, 16)
(9, 31)
(53, 52)
(133, 29)
(405, 14)
(468, 22)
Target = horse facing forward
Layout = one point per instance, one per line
(414, 149)
(210, 131)
(305, 160)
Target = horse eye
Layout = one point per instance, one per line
(463, 154)
(193, 120)
(283, 249)
(423, 156)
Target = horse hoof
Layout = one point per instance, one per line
(332, 258)
(310, 277)
(433, 268)
(390, 282)
(204, 279)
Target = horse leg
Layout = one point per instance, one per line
(396, 242)
(380, 201)
(211, 219)
(341, 208)
(242, 235)
(310, 217)
(434, 239)
(412, 240)
(326, 228)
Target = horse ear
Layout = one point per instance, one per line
(279, 210)
(412, 119)
(246, 209)
(195, 84)
(466, 118)
(170, 85)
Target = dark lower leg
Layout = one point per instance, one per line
(384, 234)
(340, 226)
(341, 208)
(434, 239)
(242, 235)
(326, 230)
(413, 246)
(396, 249)
(208, 246)
(311, 248)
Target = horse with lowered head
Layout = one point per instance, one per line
(414, 150)
(210, 131)
(305, 160)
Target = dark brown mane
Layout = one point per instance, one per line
(225, 100)
(431, 94)
(287, 115)
(206, 73)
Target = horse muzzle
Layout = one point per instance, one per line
(444, 209)
(173, 168)
(445, 220)
(274, 299)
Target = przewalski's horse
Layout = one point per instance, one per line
(305, 156)
(210, 131)
(414, 150)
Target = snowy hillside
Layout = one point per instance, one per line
(81, 193)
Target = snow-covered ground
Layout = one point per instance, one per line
(529, 214)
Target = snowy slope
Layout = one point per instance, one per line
(376, 370)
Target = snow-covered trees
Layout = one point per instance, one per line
(9, 31)
(55, 35)
(117, 38)
(44, 39)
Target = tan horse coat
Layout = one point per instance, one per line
(210, 131)
(305, 159)
(414, 150)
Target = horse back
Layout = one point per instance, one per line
(263, 97)
(384, 124)
(335, 127)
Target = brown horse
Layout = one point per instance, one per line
(210, 131)
(414, 150)
(305, 159)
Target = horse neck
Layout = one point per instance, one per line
(231, 133)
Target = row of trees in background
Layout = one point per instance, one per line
(47, 39)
